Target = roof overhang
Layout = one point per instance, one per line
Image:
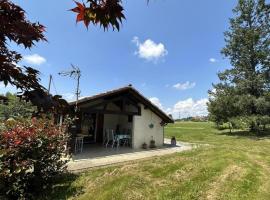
(130, 91)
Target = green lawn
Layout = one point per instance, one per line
(230, 167)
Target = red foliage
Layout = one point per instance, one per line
(30, 158)
(106, 13)
(15, 27)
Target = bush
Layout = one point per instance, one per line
(255, 123)
(30, 157)
(239, 123)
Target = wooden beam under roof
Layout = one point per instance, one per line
(112, 112)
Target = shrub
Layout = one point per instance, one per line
(16, 108)
(30, 157)
(255, 123)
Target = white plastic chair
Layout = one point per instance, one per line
(110, 137)
(105, 136)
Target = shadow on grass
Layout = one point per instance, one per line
(63, 188)
(261, 135)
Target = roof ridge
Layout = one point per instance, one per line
(107, 91)
(130, 88)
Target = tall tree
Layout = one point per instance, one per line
(105, 13)
(15, 27)
(16, 108)
(244, 88)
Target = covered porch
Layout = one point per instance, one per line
(97, 155)
(105, 122)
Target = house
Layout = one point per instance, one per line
(121, 109)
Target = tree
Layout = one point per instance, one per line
(243, 90)
(106, 13)
(15, 27)
(16, 108)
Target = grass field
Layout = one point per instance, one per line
(233, 166)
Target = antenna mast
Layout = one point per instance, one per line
(76, 74)
(50, 82)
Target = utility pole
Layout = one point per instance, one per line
(76, 74)
(78, 92)
(50, 82)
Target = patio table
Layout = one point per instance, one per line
(124, 137)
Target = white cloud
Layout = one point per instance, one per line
(213, 60)
(69, 96)
(186, 108)
(184, 86)
(213, 92)
(17, 65)
(34, 59)
(168, 110)
(156, 102)
(2, 85)
(189, 107)
(8, 88)
(149, 50)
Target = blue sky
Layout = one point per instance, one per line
(169, 50)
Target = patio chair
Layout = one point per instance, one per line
(127, 139)
(111, 138)
(105, 135)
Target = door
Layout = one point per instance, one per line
(88, 128)
(99, 130)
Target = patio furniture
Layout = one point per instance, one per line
(123, 137)
(115, 138)
(105, 135)
(79, 144)
(110, 137)
(127, 139)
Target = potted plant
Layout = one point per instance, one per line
(152, 143)
(173, 141)
(144, 145)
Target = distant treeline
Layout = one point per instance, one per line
(193, 119)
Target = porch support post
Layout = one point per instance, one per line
(61, 120)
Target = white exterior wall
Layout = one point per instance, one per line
(112, 120)
(143, 133)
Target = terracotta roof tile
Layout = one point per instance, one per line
(132, 90)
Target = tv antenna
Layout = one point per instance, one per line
(75, 73)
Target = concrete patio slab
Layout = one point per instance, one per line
(97, 157)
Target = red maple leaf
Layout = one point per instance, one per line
(81, 10)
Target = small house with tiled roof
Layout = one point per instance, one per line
(120, 117)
